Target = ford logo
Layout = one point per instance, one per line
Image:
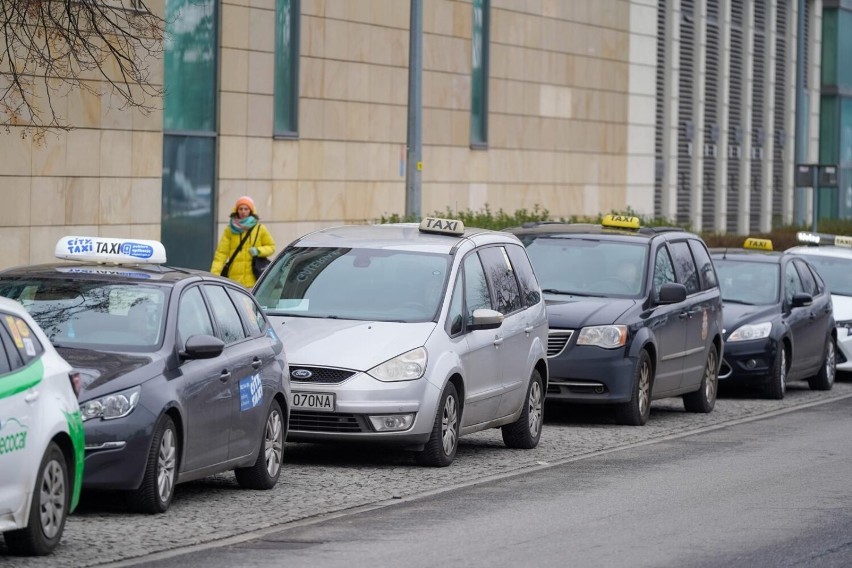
(301, 374)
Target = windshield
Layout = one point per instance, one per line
(743, 282)
(355, 283)
(587, 267)
(93, 315)
(837, 272)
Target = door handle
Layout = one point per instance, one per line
(256, 364)
(226, 374)
(529, 329)
(498, 341)
(683, 315)
(32, 397)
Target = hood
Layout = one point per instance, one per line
(103, 373)
(735, 315)
(575, 312)
(348, 344)
(842, 306)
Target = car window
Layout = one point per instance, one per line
(747, 282)
(663, 270)
(5, 345)
(475, 287)
(502, 278)
(455, 316)
(225, 314)
(252, 315)
(530, 294)
(24, 341)
(792, 282)
(193, 318)
(685, 266)
(836, 272)
(809, 285)
(706, 272)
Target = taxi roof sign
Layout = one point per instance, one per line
(757, 244)
(621, 221)
(442, 226)
(824, 239)
(104, 250)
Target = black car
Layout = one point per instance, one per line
(182, 375)
(778, 317)
(635, 314)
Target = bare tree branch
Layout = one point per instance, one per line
(51, 47)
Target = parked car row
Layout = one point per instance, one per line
(126, 374)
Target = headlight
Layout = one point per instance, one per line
(405, 367)
(116, 405)
(751, 331)
(606, 336)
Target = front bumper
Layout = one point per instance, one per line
(591, 375)
(117, 450)
(844, 349)
(748, 362)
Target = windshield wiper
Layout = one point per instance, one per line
(568, 293)
(733, 301)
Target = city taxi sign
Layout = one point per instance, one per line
(824, 239)
(106, 250)
(757, 244)
(442, 226)
(621, 221)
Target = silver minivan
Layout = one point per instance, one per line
(410, 334)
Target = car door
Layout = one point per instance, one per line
(819, 315)
(250, 420)
(245, 360)
(483, 379)
(668, 324)
(799, 320)
(205, 390)
(20, 439)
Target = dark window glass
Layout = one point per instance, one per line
(808, 283)
(250, 312)
(685, 266)
(24, 340)
(526, 276)
(14, 355)
(287, 13)
(706, 272)
(504, 285)
(663, 270)
(230, 326)
(5, 345)
(792, 282)
(479, 72)
(193, 318)
(455, 318)
(475, 287)
(188, 227)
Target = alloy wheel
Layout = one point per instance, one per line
(52, 499)
(535, 408)
(449, 425)
(166, 459)
(274, 443)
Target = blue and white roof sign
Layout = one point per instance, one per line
(110, 250)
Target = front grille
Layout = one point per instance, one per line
(320, 375)
(557, 339)
(307, 421)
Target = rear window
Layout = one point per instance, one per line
(20, 346)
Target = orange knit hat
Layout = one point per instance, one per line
(245, 200)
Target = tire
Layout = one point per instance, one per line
(636, 411)
(51, 500)
(158, 486)
(704, 399)
(266, 470)
(824, 380)
(525, 432)
(440, 450)
(777, 385)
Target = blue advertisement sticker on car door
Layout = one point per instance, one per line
(251, 392)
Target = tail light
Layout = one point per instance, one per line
(74, 377)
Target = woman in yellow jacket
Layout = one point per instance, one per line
(244, 223)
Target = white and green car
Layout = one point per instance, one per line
(41, 436)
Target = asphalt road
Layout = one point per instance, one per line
(321, 481)
(770, 493)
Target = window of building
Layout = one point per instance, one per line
(479, 73)
(287, 14)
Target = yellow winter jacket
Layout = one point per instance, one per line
(240, 270)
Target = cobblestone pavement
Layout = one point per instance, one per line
(321, 479)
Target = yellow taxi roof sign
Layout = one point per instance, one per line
(757, 244)
(621, 221)
(442, 226)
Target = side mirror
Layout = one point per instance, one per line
(486, 319)
(202, 347)
(801, 299)
(672, 293)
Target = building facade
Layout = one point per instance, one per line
(683, 109)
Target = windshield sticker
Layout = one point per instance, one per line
(251, 392)
(16, 334)
(29, 347)
(13, 436)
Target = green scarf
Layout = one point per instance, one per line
(238, 227)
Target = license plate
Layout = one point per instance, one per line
(323, 402)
